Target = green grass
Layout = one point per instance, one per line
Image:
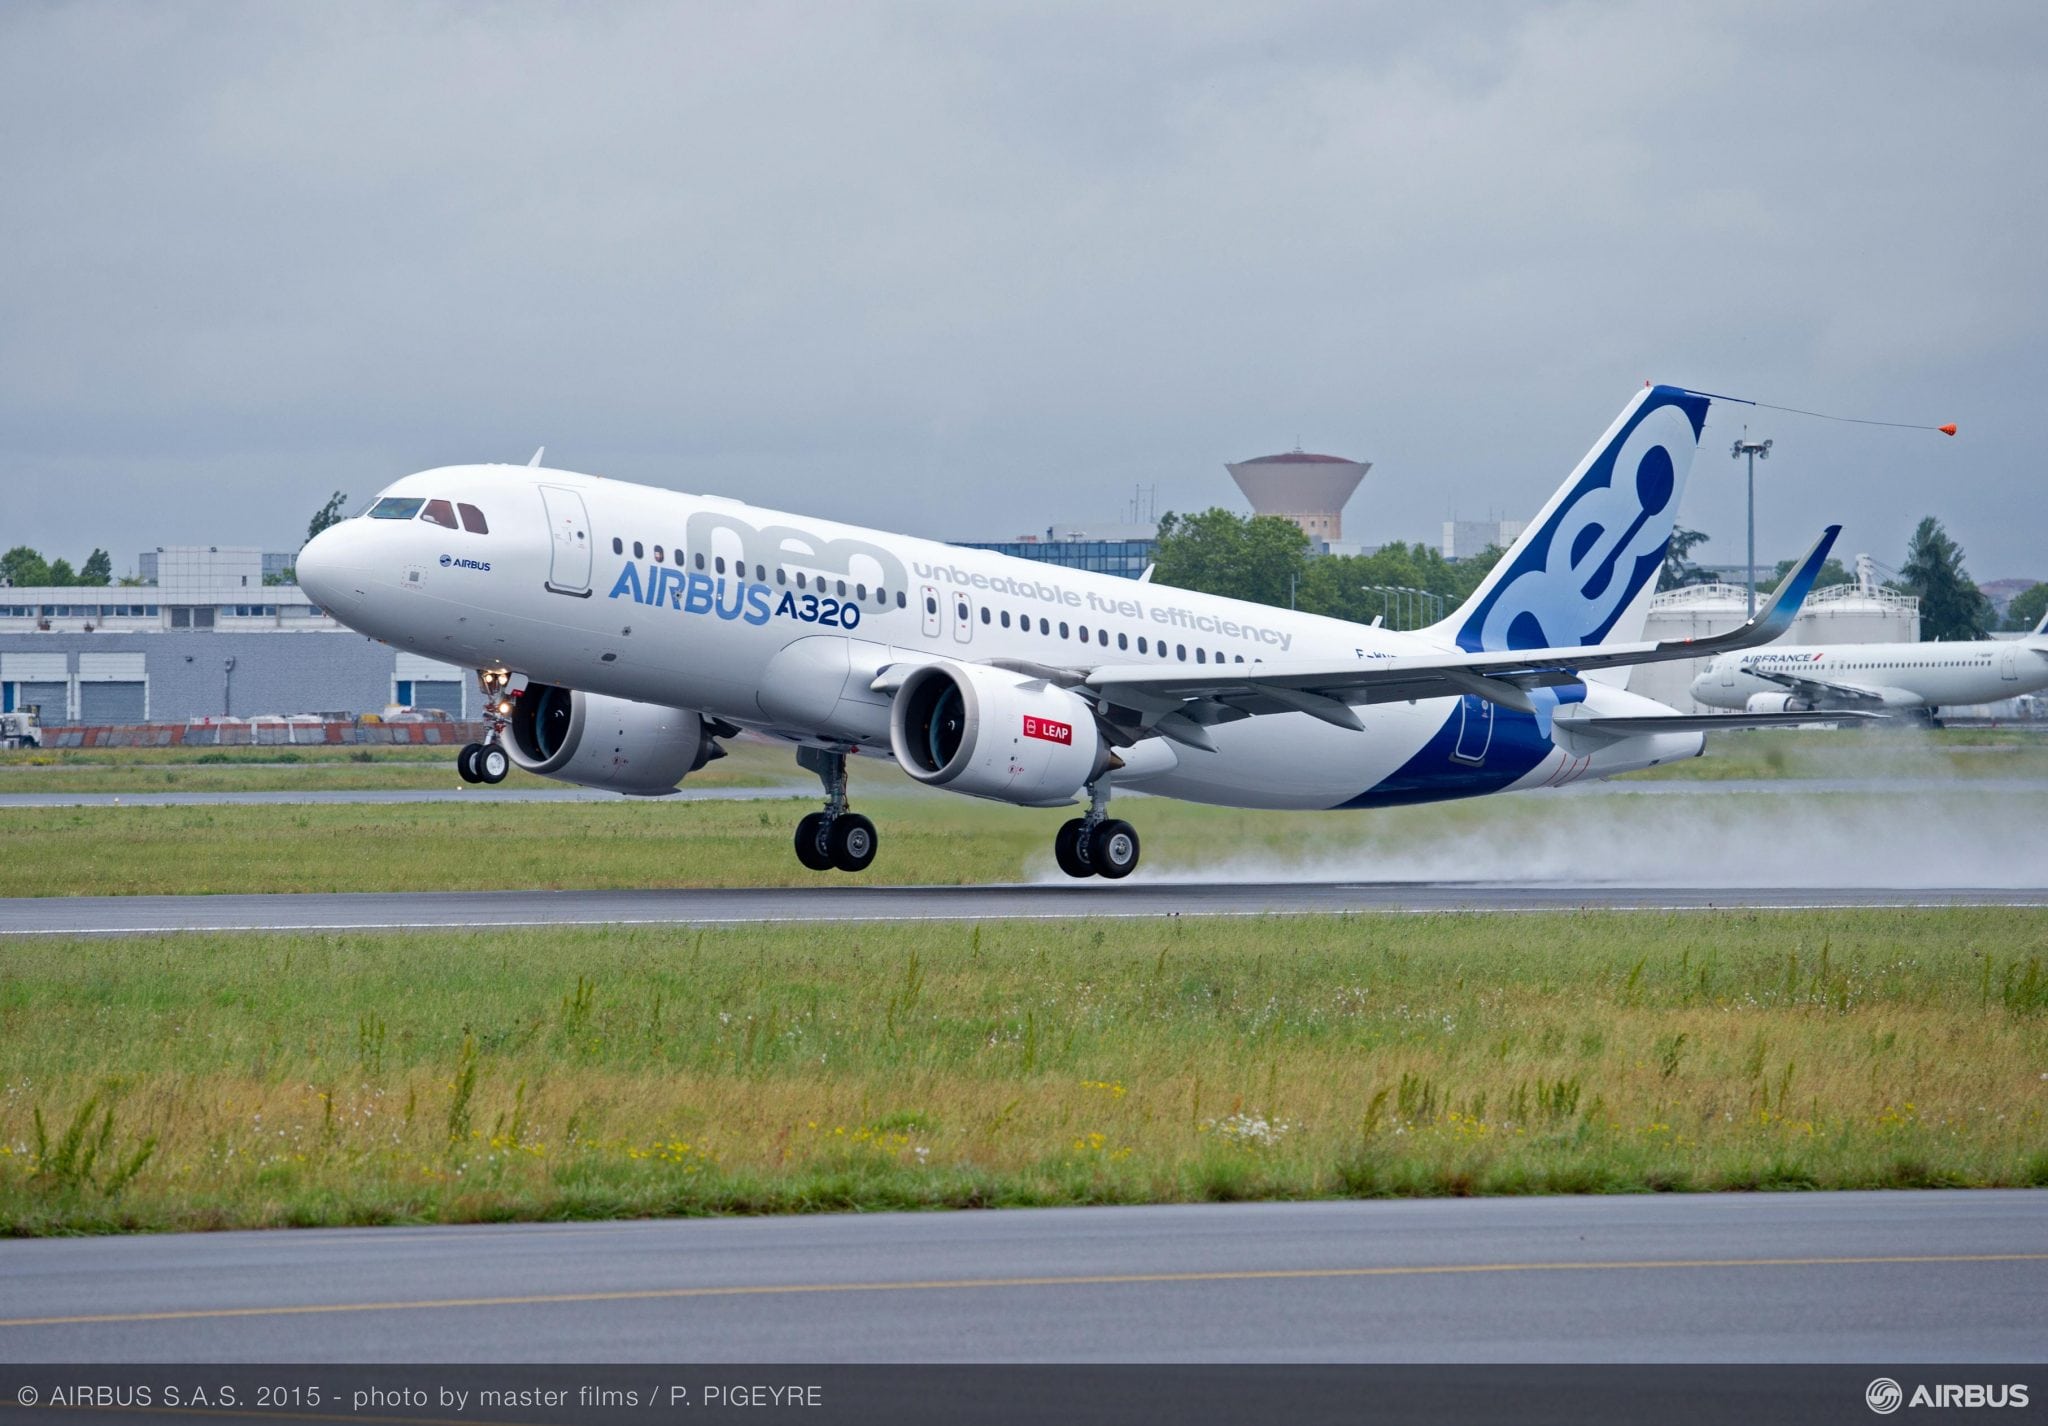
(1862, 752)
(368, 767)
(225, 1081)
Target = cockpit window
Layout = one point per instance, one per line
(440, 512)
(473, 520)
(396, 507)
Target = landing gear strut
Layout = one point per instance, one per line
(488, 761)
(1097, 844)
(834, 837)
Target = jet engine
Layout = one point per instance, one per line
(1777, 703)
(640, 749)
(989, 733)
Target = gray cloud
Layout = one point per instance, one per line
(965, 270)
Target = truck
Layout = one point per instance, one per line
(18, 729)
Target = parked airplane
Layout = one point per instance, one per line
(1922, 678)
(622, 631)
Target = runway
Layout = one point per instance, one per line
(475, 910)
(1920, 1277)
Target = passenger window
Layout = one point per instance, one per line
(860, 591)
(842, 589)
(902, 600)
(473, 519)
(700, 559)
(396, 507)
(719, 564)
(781, 575)
(639, 551)
(618, 545)
(931, 604)
(760, 574)
(1141, 645)
(1123, 641)
(657, 554)
(1006, 618)
(799, 579)
(984, 613)
(1063, 628)
(1045, 626)
(1201, 655)
(1180, 651)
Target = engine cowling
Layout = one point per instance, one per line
(989, 733)
(1777, 703)
(640, 749)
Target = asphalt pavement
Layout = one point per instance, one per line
(1915, 1277)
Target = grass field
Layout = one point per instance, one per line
(203, 1082)
(1962, 753)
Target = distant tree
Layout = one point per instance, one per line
(98, 569)
(287, 575)
(2026, 610)
(1261, 558)
(328, 514)
(1951, 605)
(24, 567)
(1364, 587)
(1679, 570)
(62, 573)
(1831, 572)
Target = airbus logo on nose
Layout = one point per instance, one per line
(450, 562)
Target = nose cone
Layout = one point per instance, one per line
(326, 571)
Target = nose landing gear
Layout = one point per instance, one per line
(488, 761)
(1097, 844)
(835, 837)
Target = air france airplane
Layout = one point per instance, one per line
(622, 632)
(1922, 678)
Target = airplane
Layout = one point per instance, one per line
(1919, 679)
(622, 632)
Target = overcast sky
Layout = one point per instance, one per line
(967, 270)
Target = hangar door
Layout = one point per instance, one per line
(102, 703)
(444, 694)
(50, 695)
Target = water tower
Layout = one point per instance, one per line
(1301, 486)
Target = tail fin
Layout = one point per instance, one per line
(1585, 570)
(2041, 629)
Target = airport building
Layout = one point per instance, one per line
(1466, 538)
(1120, 549)
(209, 640)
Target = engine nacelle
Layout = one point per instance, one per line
(640, 749)
(989, 733)
(1777, 703)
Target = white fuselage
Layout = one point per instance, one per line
(780, 622)
(1930, 675)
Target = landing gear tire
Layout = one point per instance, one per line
(466, 763)
(851, 842)
(492, 763)
(1070, 850)
(810, 842)
(1113, 849)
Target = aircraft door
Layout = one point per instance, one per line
(1475, 729)
(1728, 673)
(963, 618)
(569, 541)
(929, 595)
(2009, 665)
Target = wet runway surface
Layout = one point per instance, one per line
(141, 915)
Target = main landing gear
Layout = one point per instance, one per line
(1097, 844)
(488, 761)
(834, 837)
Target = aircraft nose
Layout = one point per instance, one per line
(326, 570)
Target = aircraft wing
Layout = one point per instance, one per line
(1710, 722)
(1817, 690)
(1179, 702)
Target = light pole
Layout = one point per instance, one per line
(1755, 450)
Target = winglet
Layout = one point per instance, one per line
(534, 464)
(1783, 606)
